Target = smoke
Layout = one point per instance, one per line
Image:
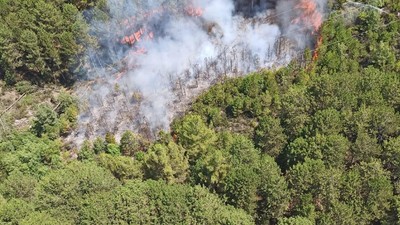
(300, 18)
(155, 56)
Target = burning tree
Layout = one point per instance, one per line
(170, 52)
(310, 17)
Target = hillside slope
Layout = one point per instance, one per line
(316, 142)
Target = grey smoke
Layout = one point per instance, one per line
(187, 55)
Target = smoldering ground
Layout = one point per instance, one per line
(184, 47)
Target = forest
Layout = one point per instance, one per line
(315, 142)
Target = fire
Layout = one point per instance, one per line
(310, 17)
(142, 32)
(318, 44)
(194, 11)
(137, 37)
(134, 35)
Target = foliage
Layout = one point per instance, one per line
(128, 143)
(110, 138)
(154, 202)
(45, 121)
(99, 145)
(29, 154)
(113, 149)
(167, 161)
(41, 40)
(269, 136)
(314, 144)
(122, 167)
(86, 152)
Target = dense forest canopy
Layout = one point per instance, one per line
(316, 142)
(41, 40)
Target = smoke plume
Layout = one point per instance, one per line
(155, 56)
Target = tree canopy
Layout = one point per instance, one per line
(314, 144)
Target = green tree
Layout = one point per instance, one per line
(113, 149)
(391, 158)
(384, 123)
(167, 161)
(269, 136)
(240, 187)
(376, 189)
(300, 149)
(29, 45)
(86, 152)
(122, 167)
(273, 193)
(327, 122)
(305, 207)
(154, 202)
(295, 111)
(211, 168)
(295, 221)
(60, 191)
(129, 143)
(85, 4)
(312, 178)
(334, 149)
(66, 101)
(99, 145)
(194, 136)
(389, 90)
(241, 184)
(29, 154)
(110, 138)
(41, 40)
(365, 147)
(41, 218)
(240, 148)
(44, 120)
(14, 211)
(339, 213)
(19, 185)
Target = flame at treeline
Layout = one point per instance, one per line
(310, 16)
(164, 53)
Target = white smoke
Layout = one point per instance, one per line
(187, 55)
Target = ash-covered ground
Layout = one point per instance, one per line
(155, 57)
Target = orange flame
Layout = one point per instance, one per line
(194, 11)
(136, 37)
(310, 16)
(318, 44)
(143, 34)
